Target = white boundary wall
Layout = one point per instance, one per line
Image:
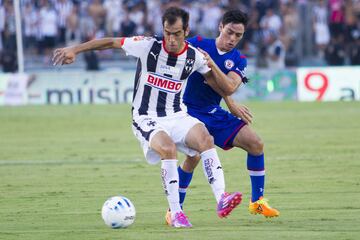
(109, 87)
(328, 83)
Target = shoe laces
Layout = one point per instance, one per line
(224, 202)
(262, 201)
(225, 194)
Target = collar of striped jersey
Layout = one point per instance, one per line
(175, 54)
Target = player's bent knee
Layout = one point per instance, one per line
(167, 151)
(207, 142)
(257, 147)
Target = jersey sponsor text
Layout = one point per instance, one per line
(164, 84)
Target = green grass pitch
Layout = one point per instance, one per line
(59, 164)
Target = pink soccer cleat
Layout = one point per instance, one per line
(227, 203)
(180, 220)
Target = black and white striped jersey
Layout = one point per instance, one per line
(161, 77)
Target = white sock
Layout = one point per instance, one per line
(213, 172)
(170, 181)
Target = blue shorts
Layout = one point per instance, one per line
(221, 124)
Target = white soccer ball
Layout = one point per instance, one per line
(118, 212)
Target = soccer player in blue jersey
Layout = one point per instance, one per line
(202, 99)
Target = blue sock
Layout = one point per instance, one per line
(184, 182)
(256, 167)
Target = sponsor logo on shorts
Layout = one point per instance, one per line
(213, 111)
(151, 123)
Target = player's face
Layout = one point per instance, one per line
(174, 36)
(230, 36)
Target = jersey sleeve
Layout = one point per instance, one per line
(200, 63)
(136, 46)
(193, 41)
(240, 68)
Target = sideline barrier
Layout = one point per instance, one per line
(109, 87)
(267, 85)
(81, 87)
(13, 89)
(328, 83)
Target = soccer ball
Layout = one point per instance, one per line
(118, 212)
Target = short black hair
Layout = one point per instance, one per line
(173, 13)
(234, 16)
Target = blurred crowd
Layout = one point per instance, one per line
(279, 33)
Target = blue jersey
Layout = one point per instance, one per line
(197, 93)
(203, 102)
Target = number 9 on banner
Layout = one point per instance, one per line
(317, 82)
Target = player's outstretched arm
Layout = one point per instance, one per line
(228, 83)
(240, 111)
(67, 55)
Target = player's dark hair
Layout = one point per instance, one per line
(173, 13)
(234, 16)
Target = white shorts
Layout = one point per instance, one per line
(145, 127)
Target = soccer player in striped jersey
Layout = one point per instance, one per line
(160, 121)
(229, 130)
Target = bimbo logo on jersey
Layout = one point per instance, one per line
(164, 83)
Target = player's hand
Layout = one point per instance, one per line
(63, 56)
(242, 112)
(209, 61)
